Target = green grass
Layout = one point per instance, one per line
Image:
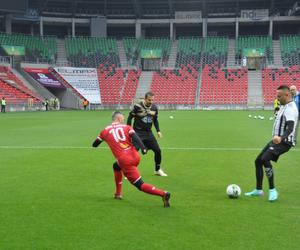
(61, 198)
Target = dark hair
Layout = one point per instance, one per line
(283, 87)
(115, 113)
(150, 93)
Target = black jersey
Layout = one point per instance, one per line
(144, 117)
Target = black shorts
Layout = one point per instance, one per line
(274, 150)
(148, 139)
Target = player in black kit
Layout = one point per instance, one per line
(145, 114)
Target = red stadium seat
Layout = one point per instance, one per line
(12, 85)
(273, 78)
(175, 86)
(118, 86)
(13, 94)
(224, 86)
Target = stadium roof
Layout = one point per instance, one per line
(155, 8)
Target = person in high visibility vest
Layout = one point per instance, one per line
(276, 106)
(85, 104)
(3, 105)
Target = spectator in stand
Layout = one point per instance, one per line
(3, 105)
(85, 104)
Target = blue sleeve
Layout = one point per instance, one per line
(297, 101)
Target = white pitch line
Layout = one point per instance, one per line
(163, 148)
(213, 149)
(43, 147)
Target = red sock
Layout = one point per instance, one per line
(118, 181)
(148, 188)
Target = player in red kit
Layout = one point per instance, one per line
(119, 138)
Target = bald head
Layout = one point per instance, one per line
(283, 93)
(293, 90)
(117, 116)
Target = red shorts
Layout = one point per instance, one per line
(128, 164)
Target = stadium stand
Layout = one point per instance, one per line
(189, 52)
(111, 82)
(195, 51)
(134, 46)
(36, 48)
(117, 86)
(130, 87)
(290, 50)
(92, 52)
(13, 94)
(273, 78)
(176, 86)
(215, 50)
(9, 78)
(254, 42)
(195, 62)
(223, 86)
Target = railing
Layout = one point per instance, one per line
(5, 60)
(37, 60)
(14, 104)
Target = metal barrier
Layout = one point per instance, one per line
(23, 105)
(5, 60)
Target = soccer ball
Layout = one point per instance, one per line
(233, 191)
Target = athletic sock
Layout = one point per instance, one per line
(118, 181)
(157, 159)
(150, 189)
(259, 177)
(157, 167)
(270, 175)
(259, 172)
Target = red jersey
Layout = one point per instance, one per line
(117, 136)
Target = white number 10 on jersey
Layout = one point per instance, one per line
(118, 134)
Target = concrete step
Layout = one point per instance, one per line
(231, 53)
(199, 82)
(173, 55)
(61, 52)
(122, 53)
(277, 53)
(255, 95)
(144, 84)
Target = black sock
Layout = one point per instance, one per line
(157, 167)
(269, 173)
(259, 174)
(157, 159)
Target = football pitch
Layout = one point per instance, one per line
(56, 191)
